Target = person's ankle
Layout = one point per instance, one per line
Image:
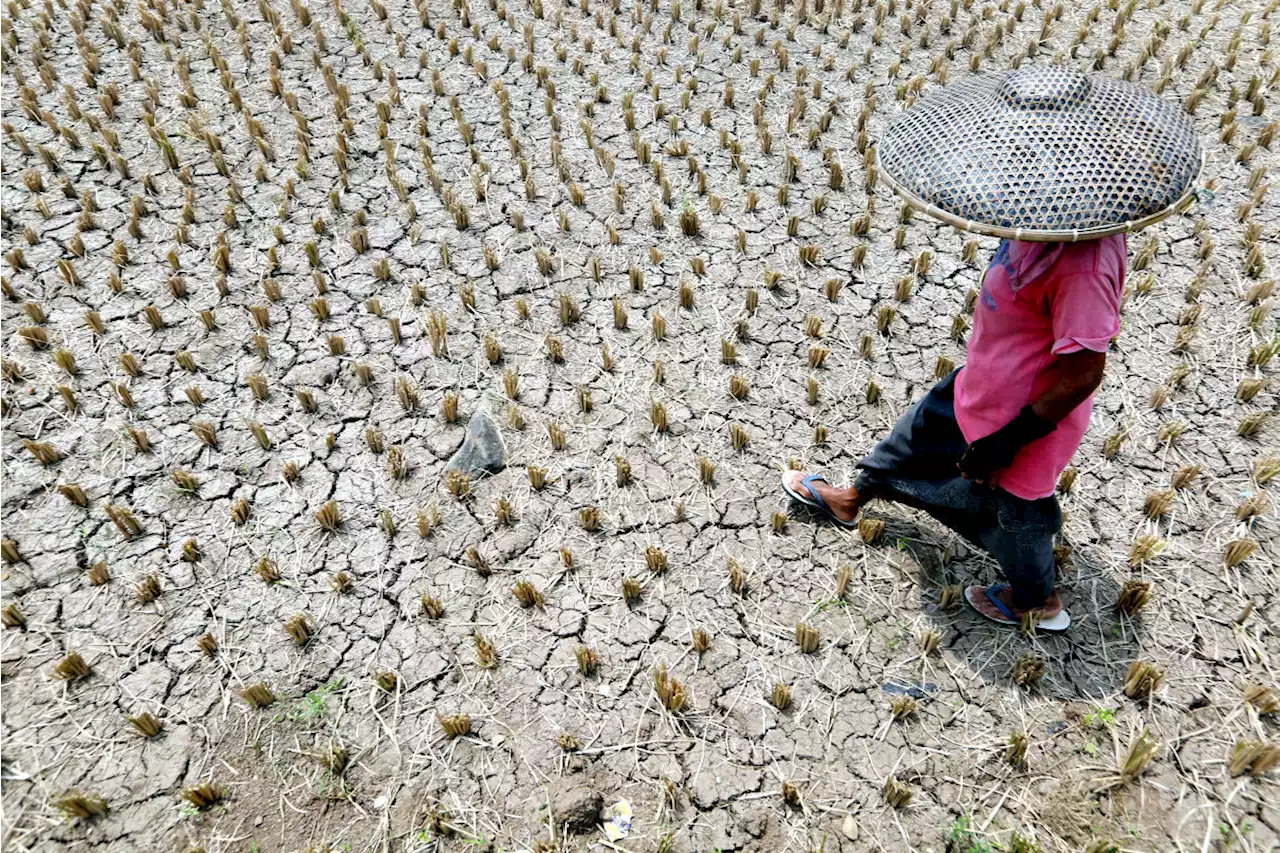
(847, 498)
(864, 492)
(1052, 602)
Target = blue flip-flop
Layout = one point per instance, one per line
(1054, 625)
(814, 500)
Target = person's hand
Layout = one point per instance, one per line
(995, 452)
(986, 456)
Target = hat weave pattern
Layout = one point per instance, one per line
(1043, 153)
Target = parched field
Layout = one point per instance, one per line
(265, 263)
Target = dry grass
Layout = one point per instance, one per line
(204, 795)
(264, 261)
(670, 692)
(1142, 679)
(80, 806)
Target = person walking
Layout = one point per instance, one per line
(1062, 166)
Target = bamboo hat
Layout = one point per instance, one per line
(1043, 154)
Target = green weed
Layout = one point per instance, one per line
(963, 839)
(1018, 843)
(312, 706)
(1100, 718)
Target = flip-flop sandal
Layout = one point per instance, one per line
(814, 500)
(1055, 625)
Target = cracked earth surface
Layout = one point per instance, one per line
(339, 221)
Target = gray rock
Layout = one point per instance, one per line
(482, 450)
(576, 806)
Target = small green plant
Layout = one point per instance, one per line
(827, 603)
(313, 705)
(964, 839)
(1019, 843)
(1100, 718)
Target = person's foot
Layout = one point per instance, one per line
(844, 503)
(1004, 594)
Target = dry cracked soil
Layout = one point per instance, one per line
(264, 264)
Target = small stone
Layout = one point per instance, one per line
(482, 450)
(576, 806)
(849, 828)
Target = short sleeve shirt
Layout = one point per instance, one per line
(1018, 329)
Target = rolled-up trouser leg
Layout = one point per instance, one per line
(915, 465)
(924, 444)
(1021, 540)
(955, 502)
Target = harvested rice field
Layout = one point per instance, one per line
(269, 267)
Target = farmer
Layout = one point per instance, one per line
(1062, 166)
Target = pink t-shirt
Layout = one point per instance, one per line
(1026, 315)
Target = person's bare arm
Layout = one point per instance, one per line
(1079, 375)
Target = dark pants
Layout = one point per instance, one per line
(916, 465)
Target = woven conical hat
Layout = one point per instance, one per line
(1043, 153)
